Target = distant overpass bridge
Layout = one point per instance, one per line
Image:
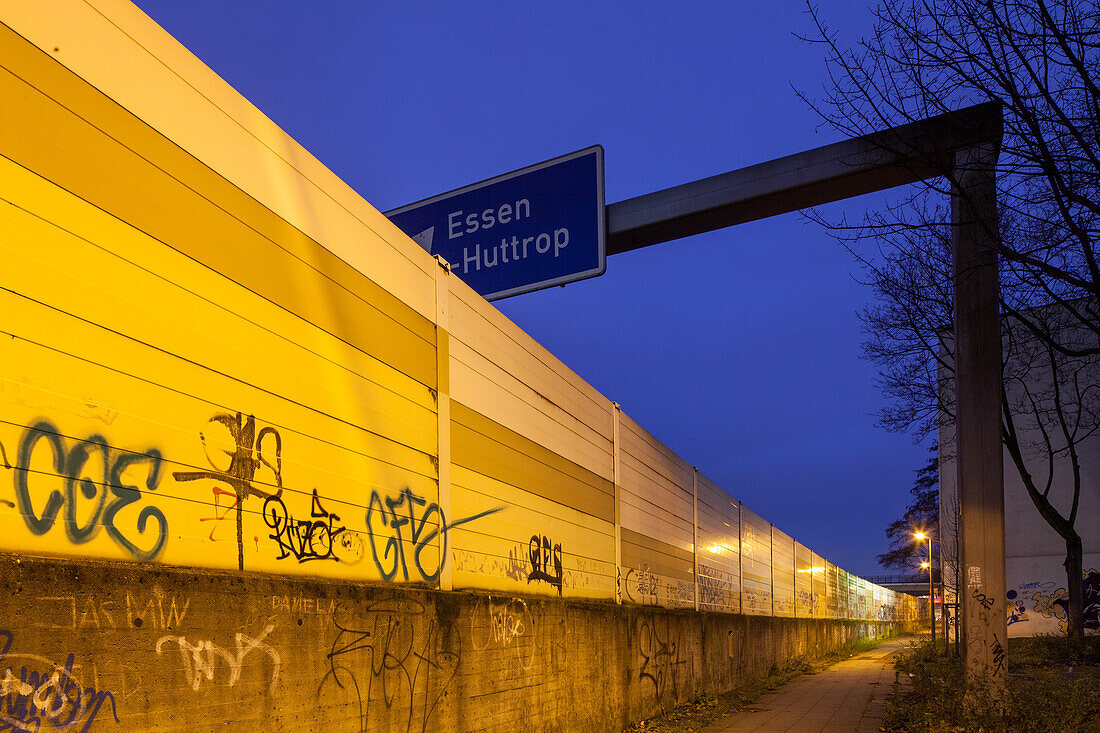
(914, 584)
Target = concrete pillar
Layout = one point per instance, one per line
(978, 410)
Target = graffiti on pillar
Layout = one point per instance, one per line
(984, 600)
(998, 655)
(44, 695)
(392, 663)
(252, 452)
(98, 481)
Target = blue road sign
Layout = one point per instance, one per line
(530, 229)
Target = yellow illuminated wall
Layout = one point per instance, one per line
(215, 354)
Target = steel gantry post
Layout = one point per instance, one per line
(962, 146)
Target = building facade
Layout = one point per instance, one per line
(1055, 409)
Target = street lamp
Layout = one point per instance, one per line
(931, 589)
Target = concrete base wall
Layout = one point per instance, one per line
(161, 649)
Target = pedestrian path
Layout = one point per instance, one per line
(848, 697)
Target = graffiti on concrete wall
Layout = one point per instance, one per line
(303, 605)
(393, 521)
(499, 623)
(1092, 598)
(660, 652)
(1033, 600)
(391, 664)
(507, 627)
(519, 637)
(201, 659)
(98, 482)
(156, 610)
(44, 695)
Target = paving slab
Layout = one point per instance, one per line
(848, 697)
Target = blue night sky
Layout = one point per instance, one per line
(739, 348)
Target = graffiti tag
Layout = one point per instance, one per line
(53, 696)
(388, 521)
(545, 561)
(200, 660)
(247, 457)
(91, 470)
(391, 664)
(660, 657)
(316, 538)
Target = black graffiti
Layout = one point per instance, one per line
(245, 460)
(545, 561)
(425, 521)
(660, 657)
(92, 470)
(53, 696)
(4, 456)
(983, 599)
(998, 655)
(317, 538)
(393, 665)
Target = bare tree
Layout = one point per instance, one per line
(923, 513)
(1041, 59)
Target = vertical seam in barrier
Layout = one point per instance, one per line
(848, 597)
(695, 533)
(771, 548)
(740, 560)
(443, 412)
(616, 473)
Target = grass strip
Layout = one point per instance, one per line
(1051, 685)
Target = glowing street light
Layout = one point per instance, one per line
(931, 589)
